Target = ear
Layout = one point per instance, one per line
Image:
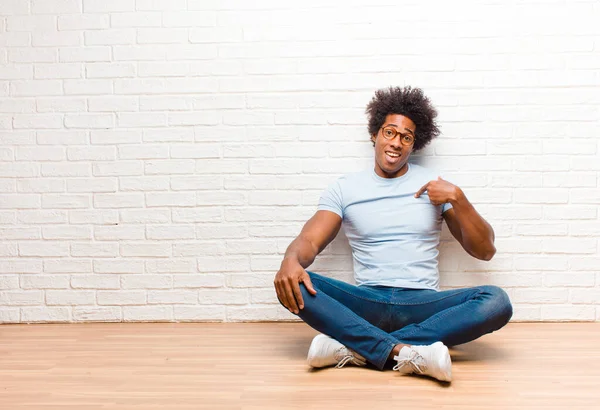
(373, 138)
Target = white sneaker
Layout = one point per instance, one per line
(432, 360)
(325, 351)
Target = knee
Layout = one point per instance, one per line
(315, 281)
(306, 296)
(280, 302)
(304, 291)
(497, 304)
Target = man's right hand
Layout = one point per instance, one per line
(287, 284)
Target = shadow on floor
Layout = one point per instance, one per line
(478, 350)
(296, 347)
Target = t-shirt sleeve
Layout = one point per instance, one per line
(446, 206)
(331, 199)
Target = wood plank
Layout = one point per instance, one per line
(262, 366)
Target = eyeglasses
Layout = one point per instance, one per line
(389, 133)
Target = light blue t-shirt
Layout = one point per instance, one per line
(393, 235)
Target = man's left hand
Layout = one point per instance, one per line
(440, 191)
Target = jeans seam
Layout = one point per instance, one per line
(381, 363)
(384, 361)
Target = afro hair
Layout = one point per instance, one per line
(409, 102)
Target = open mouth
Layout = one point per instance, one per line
(392, 156)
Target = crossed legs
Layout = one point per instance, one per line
(376, 322)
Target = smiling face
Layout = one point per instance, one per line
(391, 156)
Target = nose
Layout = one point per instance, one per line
(395, 142)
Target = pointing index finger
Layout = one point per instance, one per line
(423, 189)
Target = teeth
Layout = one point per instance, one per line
(392, 154)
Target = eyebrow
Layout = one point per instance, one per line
(406, 129)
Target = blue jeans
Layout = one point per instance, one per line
(371, 320)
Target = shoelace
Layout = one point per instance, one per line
(415, 360)
(344, 356)
(344, 361)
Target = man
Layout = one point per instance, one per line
(392, 216)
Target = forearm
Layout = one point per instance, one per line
(477, 234)
(302, 251)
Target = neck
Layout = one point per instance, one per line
(380, 172)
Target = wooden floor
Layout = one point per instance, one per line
(262, 366)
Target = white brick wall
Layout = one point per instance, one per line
(157, 157)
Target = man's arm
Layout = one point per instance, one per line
(474, 233)
(316, 234)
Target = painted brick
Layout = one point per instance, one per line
(97, 314)
(161, 156)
